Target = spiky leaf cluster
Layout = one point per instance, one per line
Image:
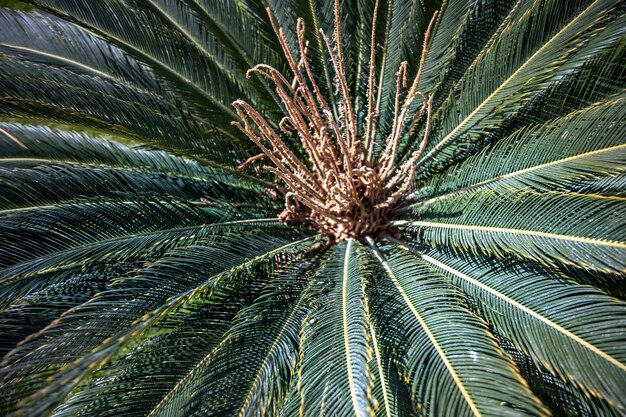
(143, 274)
(343, 187)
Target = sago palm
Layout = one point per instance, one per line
(313, 208)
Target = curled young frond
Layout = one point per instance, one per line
(341, 187)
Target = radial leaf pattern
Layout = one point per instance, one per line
(150, 267)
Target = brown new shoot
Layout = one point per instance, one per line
(341, 187)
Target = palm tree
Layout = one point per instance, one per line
(348, 208)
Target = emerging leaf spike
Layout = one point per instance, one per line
(341, 188)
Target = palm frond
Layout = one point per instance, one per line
(554, 156)
(317, 16)
(530, 225)
(265, 337)
(96, 90)
(498, 84)
(405, 23)
(445, 351)
(466, 28)
(580, 327)
(45, 167)
(332, 374)
(45, 39)
(137, 31)
(130, 307)
(212, 336)
(241, 30)
(553, 392)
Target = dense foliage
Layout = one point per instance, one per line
(143, 274)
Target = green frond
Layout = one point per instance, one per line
(43, 167)
(317, 15)
(529, 225)
(554, 156)
(466, 28)
(136, 30)
(96, 90)
(390, 392)
(33, 145)
(253, 364)
(571, 330)
(55, 94)
(67, 209)
(404, 23)
(554, 392)
(444, 351)
(40, 371)
(45, 39)
(524, 63)
(239, 28)
(213, 330)
(332, 374)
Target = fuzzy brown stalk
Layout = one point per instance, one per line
(341, 188)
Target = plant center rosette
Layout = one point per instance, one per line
(337, 180)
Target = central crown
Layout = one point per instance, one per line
(338, 182)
